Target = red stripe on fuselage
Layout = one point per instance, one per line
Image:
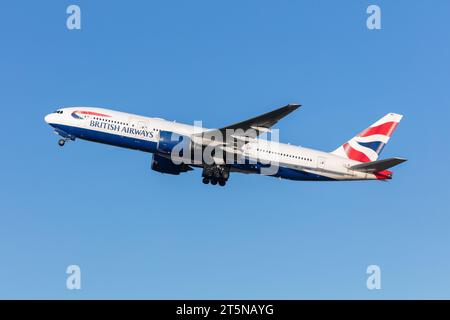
(91, 113)
(355, 154)
(383, 129)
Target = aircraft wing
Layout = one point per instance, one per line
(262, 123)
(251, 128)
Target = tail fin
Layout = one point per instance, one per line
(367, 146)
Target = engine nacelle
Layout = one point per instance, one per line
(165, 165)
(182, 149)
(168, 141)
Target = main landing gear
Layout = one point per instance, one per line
(216, 175)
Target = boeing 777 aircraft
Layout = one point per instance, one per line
(235, 148)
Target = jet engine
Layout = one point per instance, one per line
(168, 141)
(165, 165)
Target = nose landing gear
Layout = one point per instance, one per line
(62, 142)
(64, 137)
(216, 175)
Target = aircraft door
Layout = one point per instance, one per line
(321, 163)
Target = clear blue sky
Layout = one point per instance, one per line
(136, 233)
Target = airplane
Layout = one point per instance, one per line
(356, 159)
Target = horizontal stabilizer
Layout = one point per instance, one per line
(379, 165)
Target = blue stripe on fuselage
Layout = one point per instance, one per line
(108, 138)
(293, 174)
(283, 172)
(150, 146)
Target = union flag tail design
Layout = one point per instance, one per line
(367, 146)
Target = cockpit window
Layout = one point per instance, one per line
(58, 111)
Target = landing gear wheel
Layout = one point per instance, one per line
(225, 175)
(61, 142)
(216, 174)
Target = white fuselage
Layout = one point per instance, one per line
(142, 133)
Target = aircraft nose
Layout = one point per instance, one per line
(48, 118)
